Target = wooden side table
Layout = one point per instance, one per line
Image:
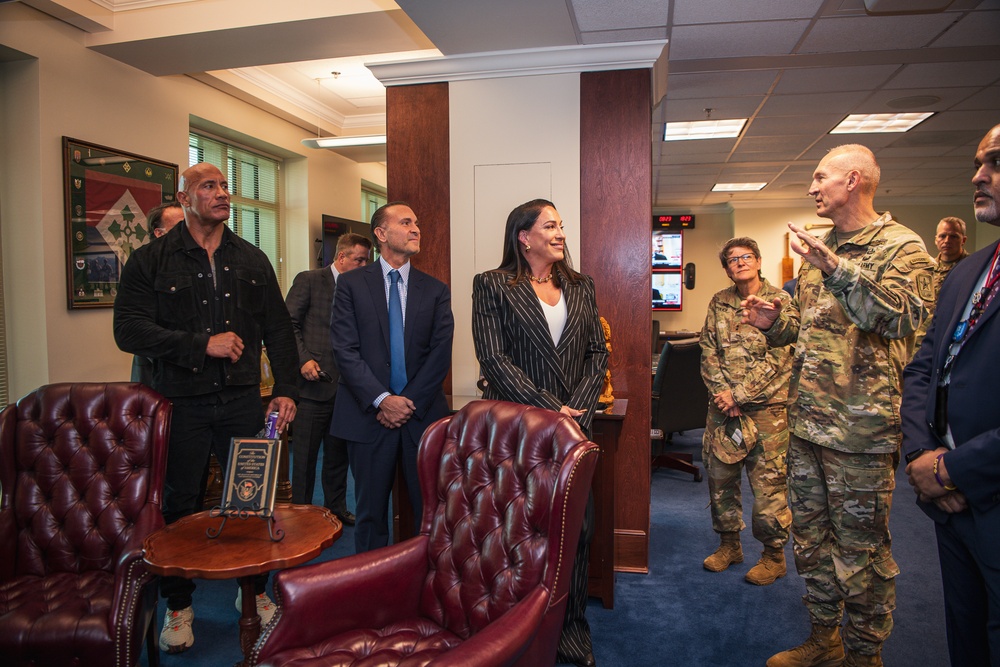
(242, 550)
(605, 430)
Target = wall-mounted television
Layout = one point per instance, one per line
(668, 250)
(667, 290)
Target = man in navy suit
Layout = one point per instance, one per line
(951, 432)
(385, 403)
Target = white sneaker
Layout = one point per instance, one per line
(265, 606)
(176, 635)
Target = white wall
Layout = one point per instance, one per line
(512, 140)
(64, 89)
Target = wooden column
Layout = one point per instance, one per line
(615, 219)
(418, 171)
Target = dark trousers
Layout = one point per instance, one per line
(196, 431)
(374, 465)
(971, 592)
(575, 642)
(310, 429)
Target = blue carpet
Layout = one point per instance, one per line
(679, 613)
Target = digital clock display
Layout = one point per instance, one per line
(673, 221)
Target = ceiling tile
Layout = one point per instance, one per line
(979, 28)
(769, 38)
(602, 15)
(696, 86)
(987, 98)
(812, 124)
(723, 108)
(873, 33)
(833, 79)
(934, 75)
(962, 120)
(616, 36)
(717, 11)
(797, 105)
(879, 101)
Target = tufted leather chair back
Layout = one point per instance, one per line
(494, 488)
(81, 474)
(78, 461)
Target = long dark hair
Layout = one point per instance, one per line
(523, 218)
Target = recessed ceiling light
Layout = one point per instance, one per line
(871, 123)
(738, 187)
(703, 129)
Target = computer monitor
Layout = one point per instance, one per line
(667, 290)
(668, 249)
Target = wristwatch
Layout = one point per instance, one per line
(916, 454)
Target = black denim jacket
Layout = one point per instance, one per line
(163, 311)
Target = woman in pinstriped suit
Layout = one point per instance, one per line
(539, 341)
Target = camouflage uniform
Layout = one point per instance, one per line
(735, 356)
(941, 270)
(853, 332)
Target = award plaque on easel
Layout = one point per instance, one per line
(251, 481)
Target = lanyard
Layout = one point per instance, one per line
(980, 300)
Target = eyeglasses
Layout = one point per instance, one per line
(733, 261)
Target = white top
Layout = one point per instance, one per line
(556, 317)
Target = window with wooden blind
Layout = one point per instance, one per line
(254, 192)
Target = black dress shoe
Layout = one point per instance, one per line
(347, 517)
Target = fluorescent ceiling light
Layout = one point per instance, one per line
(738, 187)
(703, 129)
(870, 123)
(341, 142)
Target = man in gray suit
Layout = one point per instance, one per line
(309, 302)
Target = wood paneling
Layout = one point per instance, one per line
(418, 168)
(615, 214)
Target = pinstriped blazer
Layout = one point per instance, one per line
(516, 353)
(309, 300)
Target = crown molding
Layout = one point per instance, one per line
(521, 62)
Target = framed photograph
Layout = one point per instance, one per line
(107, 193)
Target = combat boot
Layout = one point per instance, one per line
(855, 659)
(770, 567)
(728, 553)
(823, 649)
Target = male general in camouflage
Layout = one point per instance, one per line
(861, 295)
(747, 425)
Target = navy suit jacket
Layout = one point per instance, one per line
(309, 301)
(973, 414)
(360, 337)
(516, 353)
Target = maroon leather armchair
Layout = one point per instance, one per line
(484, 583)
(81, 474)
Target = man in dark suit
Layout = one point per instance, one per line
(309, 303)
(951, 432)
(386, 400)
